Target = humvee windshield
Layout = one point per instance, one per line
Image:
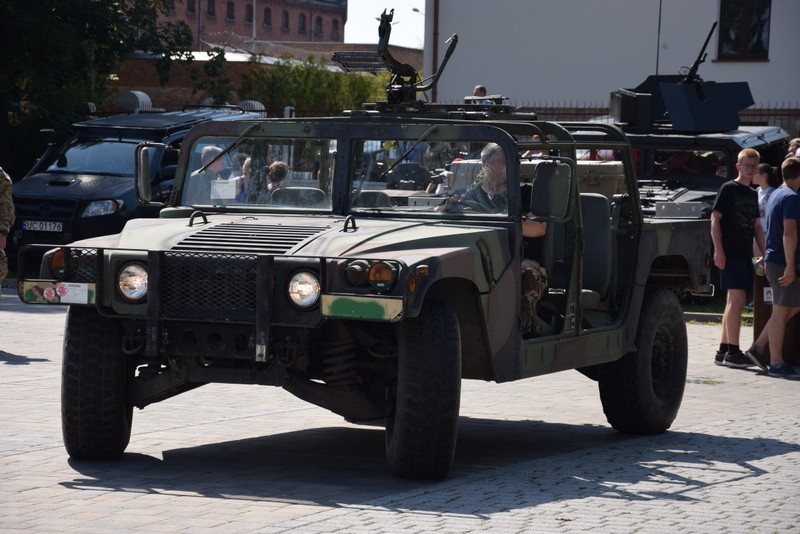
(389, 175)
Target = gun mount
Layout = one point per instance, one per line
(682, 103)
(404, 84)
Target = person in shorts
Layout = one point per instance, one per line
(733, 227)
(782, 261)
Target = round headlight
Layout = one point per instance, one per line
(132, 282)
(304, 289)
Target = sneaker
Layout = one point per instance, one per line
(736, 360)
(782, 370)
(719, 357)
(756, 355)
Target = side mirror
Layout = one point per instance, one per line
(145, 157)
(548, 196)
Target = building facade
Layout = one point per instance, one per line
(552, 52)
(262, 20)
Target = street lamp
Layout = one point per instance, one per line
(416, 10)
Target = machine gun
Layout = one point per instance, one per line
(691, 75)
(404, 83)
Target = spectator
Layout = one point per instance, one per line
(480, 91)
(793, 148)
(6, 219)
(767, 179)
(782, 260)
(733, 227)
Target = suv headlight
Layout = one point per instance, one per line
(102, 207)
(132, 282)
(304, 289)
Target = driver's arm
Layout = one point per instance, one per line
(533, 228)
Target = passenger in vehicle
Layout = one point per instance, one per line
(260, 184)
(243, 186)
(278, 171)
(212, 167)
(490, 194)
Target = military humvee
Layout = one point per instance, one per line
(352, 288)
(686, 135)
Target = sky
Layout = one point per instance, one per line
(408, 28)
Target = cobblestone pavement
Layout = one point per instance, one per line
(533, 456)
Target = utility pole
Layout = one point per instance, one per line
(254, 21)
(199, 22)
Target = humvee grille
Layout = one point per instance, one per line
(81, 265)
(219, 287)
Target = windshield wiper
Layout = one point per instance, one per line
(409, 150)
(236, 142)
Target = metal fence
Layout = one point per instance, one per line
(784, 114)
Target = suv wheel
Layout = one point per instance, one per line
(95, 413)
(422, 426)
(642, 391)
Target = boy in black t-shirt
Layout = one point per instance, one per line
(733, 227)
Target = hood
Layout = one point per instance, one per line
(73, 186)
(307, 236)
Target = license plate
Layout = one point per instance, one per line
(43, 226)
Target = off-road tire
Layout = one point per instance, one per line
(96, 415)
(642, 391)
(421, 430)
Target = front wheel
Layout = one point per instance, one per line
(422, 426)
(642, 391)
(96, 415)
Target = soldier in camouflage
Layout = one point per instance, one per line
(6, 219)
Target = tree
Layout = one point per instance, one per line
(58, 56)
(310, 87)
(213, 79)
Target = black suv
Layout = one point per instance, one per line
(84, 188)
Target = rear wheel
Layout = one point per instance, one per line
(422, 426)
(642, 391)
(96, 415)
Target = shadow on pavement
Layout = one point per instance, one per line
(13, 359)
(537, 462)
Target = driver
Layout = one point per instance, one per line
(490, 195)
(491, 192)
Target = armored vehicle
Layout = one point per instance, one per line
(84, 188)
(686, 136)
(371, 283)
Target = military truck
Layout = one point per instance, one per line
(374, 295)
(686, 135)
(84, 187)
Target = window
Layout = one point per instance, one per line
(211, 10)
(267, 17)
(318, 26)
(190, 9)
(248, 14)
(285, 21)
(335, 29)
(744, 30)
(301, 23)
(230, 11)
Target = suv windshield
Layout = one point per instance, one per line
(95, 156)
(393, 175)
